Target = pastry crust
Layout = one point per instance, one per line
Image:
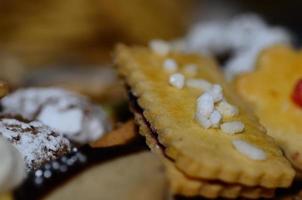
(197, 152)
(278, 70)
(120, 136)
(180, 184)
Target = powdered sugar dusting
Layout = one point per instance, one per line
(68, 121)
(244, 37)
(36, 142)
(66, 112)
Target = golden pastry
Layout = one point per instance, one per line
(274, 91)
(209, 140)
(187, 186)
(120, 136)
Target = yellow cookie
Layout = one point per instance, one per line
(270, 89)
(198, 152)
(180, 184)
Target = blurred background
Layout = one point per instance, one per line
(55, 42)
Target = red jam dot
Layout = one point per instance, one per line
(297, 93)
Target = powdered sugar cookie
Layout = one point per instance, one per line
(66, 112)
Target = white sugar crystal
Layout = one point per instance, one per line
(205, 104)
(215, 118)
(190, 69)
(170, 65)
(203, 120)
(232, 127)
(227, 110)
(216, 92)
(177, 80)
(160, 47)
(199, 84)
(249, 150)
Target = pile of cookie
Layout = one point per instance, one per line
(41, 130)
(206, 161)
(217, 135)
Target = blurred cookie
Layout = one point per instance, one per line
(130, 177)
(274, 92)
(80, 30)
(12, 168)
(67, 113)
(100, 83)
(119, 136)
(37, 143)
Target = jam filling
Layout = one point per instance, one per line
(297, 93)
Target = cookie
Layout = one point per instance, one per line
(180, 184)
(120, 136)
(66, 112)
(196, 150)
(37, 143)
(271, 90)
(134, 176)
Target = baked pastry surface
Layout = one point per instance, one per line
(269, 90)
(205, 154)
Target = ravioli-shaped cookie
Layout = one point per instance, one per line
(196, 151)
(273, 91)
